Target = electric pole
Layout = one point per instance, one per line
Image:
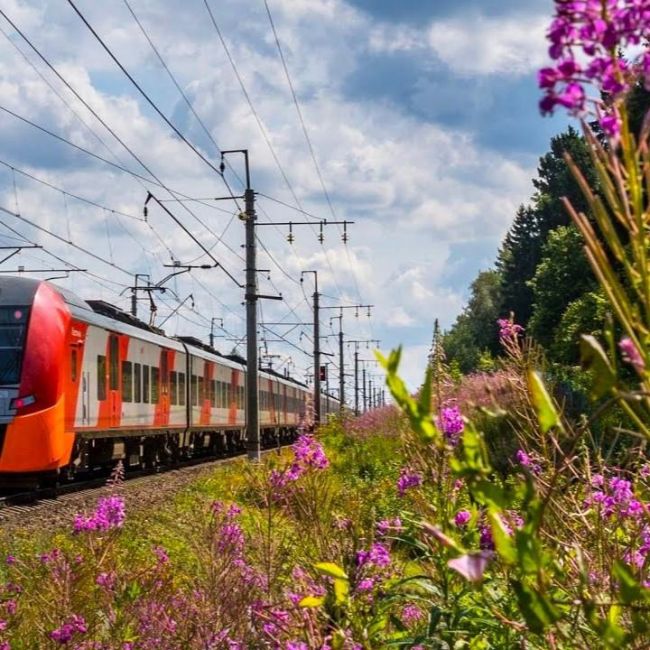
(365, 394)
(252, 393)
(356, 368)
(340, 335)
(317, 409)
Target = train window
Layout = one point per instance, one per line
(181, 388)
(101, 377)
(137, 382)
(173, 387)
(224, 395)
(195, 390)
(201, 390)
(73, 364)
(145, 384)
(114, 360)
(127, 381)
(213, 393)
(155, 384)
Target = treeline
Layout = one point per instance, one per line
(541, 274)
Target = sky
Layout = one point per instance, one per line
(423, 122)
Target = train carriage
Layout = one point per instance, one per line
(84, 384)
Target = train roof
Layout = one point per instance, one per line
(15, 290)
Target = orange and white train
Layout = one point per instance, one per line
(83, 384)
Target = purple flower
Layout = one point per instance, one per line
(486, 540)
(73, 625)
(367, 584)
(411, 614)
(631, 354)
(597, 480)
(522, 458)
(377, 556)
(508, 330)
(462, 517)
(109, 513)
(10, 560)
(450, 421)
(407, 479)
(594, 31)
(106, 580)
(296, 645)
(387, 525)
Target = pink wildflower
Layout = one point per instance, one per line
(631, 354)
(462, 517)
(407, 479)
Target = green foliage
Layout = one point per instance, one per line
(474, 334)
(561, 277)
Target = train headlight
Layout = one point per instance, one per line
(21, 402)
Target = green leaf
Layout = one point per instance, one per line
(418, 413)
(341, 590)
(489, 494)
(311, 601)
(528, 553)
(435, 615)
(547, 416)
(535, 607)
(330, 569)
(502, 540)
(630, 588)
(593, 357)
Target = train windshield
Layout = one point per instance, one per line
(13, 326)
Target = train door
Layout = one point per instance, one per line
(114, 400)
(85, 398)
(164, 386)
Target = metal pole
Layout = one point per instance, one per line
(365, 394)
(327, 379)
(252, 412)
(356, 380)
(341, 366)
(212, 333)
(370, 389)
(134, 297)
(317, 413)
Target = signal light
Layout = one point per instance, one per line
(21, 402)
(323, 373)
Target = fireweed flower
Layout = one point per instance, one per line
(631, 354)
(585, 39)
(407, 479)
(386, 526)
(109, 513)
(462, 517)
(377, 556)
(508, 330)
(73, 625)
(411, 614)
(450, 422)
(523, 459)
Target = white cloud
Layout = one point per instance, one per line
(477, 44)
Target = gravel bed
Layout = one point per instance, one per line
(139, 493)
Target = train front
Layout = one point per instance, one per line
(34, 321)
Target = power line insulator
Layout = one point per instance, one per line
(321, 236)
(291, 238)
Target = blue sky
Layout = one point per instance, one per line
(423, 118)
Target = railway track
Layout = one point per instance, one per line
(39, 503)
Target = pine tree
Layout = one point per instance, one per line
(517, 261)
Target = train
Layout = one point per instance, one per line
(84, 385)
